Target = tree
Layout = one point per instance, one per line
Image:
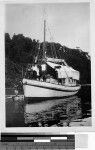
(22, 50)
(7, 44)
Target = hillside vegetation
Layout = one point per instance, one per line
(21, 50)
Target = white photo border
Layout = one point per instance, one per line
(44, 130)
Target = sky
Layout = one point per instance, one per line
(66, 23)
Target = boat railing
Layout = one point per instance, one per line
(63, 82)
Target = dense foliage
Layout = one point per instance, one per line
(20, 50)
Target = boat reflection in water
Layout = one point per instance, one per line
(58, 112)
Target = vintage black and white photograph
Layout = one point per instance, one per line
(47, 65)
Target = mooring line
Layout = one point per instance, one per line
(85, 84)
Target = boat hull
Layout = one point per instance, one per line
(33, 89)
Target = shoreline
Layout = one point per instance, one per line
(15, 113)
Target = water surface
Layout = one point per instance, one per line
(56, 112)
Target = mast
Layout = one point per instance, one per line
(44, 30)
(44, 44)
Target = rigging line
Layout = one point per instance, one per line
(51, 49)
(50, 32)
(52, 35)
(51, 43)
(54, 51)
(38, 52)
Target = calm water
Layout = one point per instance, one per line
(56, 112)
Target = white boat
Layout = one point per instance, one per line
(39, 89)
(46, 89)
